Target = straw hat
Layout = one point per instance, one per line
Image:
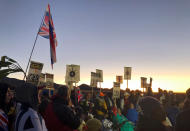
(126, 94)
(93, 125)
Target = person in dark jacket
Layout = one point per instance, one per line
(172, 110)
(183, 118)
(110, 105)
(100, 107)
(152, 116)
(182, 121)
(58, 115)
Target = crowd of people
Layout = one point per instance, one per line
(26, 108)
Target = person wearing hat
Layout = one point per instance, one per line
(94, 125)
(124, 97)
(5, 97)
(152, 116)
(183, 118)
(100, 107)
(125, 103)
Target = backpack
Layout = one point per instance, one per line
(28, 124)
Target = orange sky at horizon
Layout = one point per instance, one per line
(175, 83)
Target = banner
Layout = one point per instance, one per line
(49, 80)
(41, 80)
(127, 73)
(99, 75)
(72, 73)
(94, 79)
(143, 82)
(34, 72)
(119, 79)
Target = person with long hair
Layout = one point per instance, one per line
(5, 97)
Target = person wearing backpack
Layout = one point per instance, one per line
(27, 117)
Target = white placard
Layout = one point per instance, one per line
(49, 80)
(127, 73)
(72, 73)
(94, 79)
(116, 92)
(34, 72)
(99, 74)
(143, 82)
(41, 80)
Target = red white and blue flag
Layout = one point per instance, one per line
(47, 30)
(3, 121)
(79, 95)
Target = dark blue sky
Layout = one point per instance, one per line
(150, 36)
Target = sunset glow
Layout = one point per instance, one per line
(152, 37)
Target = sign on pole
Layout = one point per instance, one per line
(72, 73)
(41, 80)
(116, 90)
(143, 82)
(34, 72)
(94, 79)
(116, 84)
(99, 74)
(119, 79)
(69, 84)
(127, 73)
(49, 80)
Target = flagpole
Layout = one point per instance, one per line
(33, 48)
(100, 86)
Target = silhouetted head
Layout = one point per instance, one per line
(5, 95)
(152, 108)
(188, 93)
(27, 94)
(62, 92)
(187, 100)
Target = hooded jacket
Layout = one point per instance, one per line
(59, 117)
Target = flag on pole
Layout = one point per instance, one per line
(47, 30)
